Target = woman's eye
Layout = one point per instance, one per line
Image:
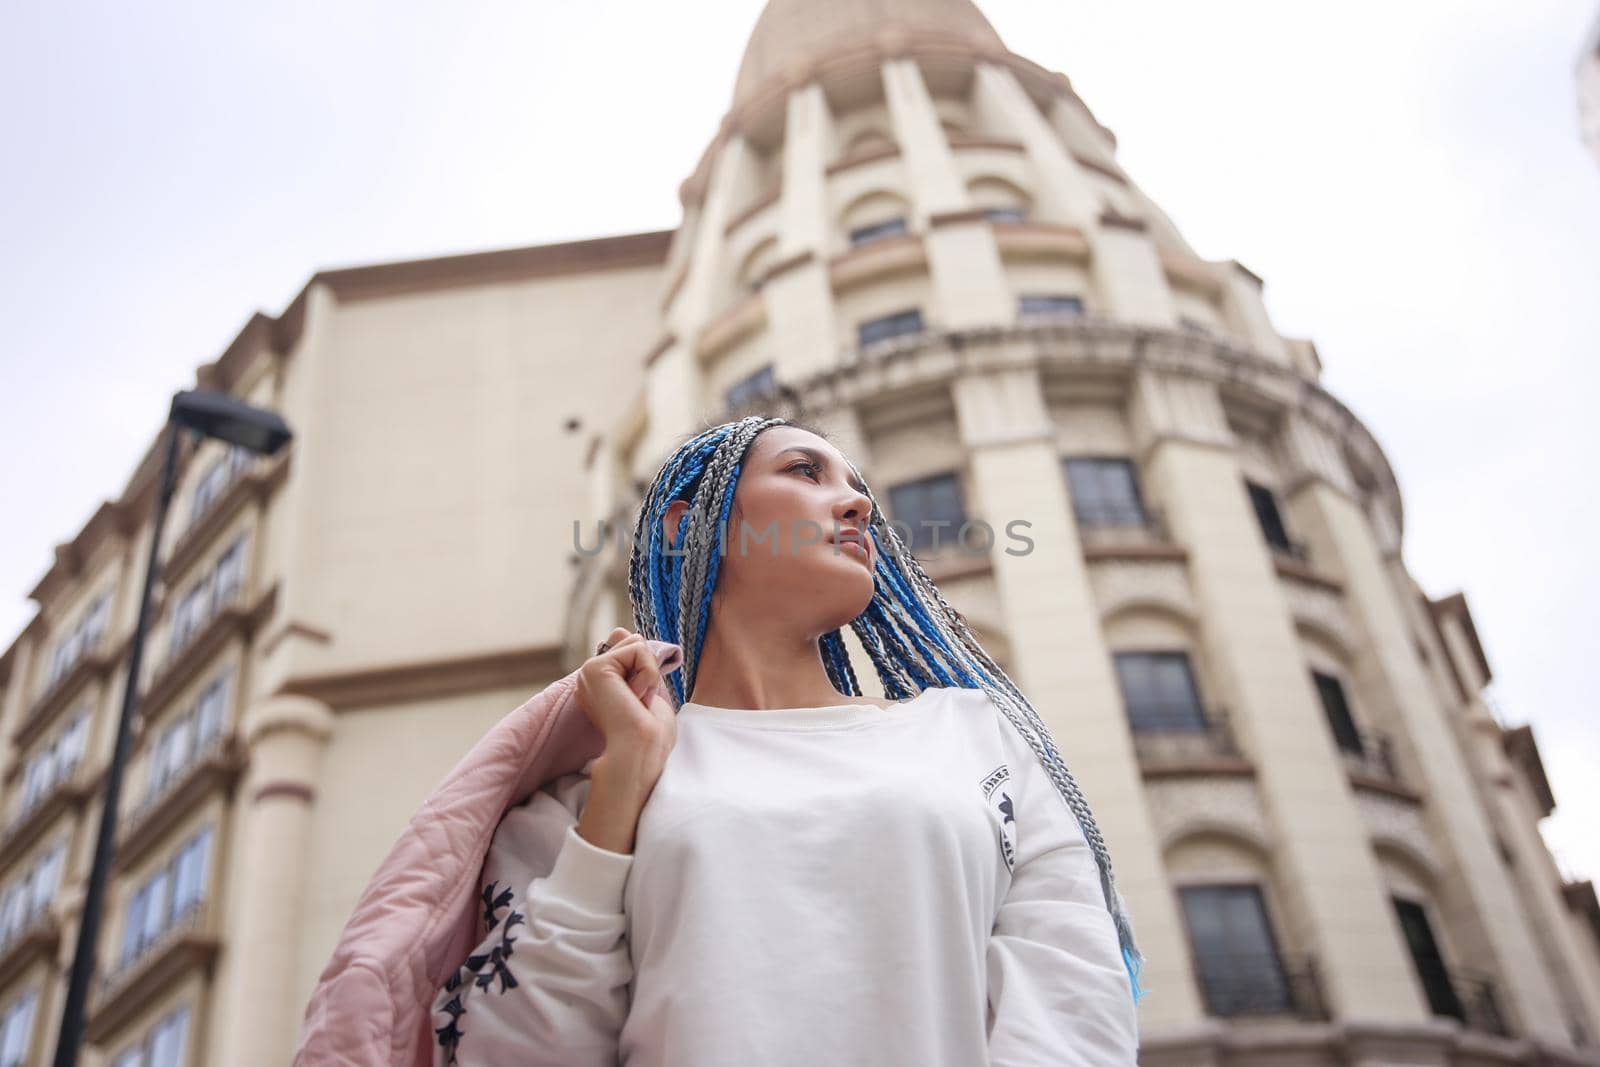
(806, 466)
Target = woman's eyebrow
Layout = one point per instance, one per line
(822, 461)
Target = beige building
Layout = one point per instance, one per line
(1589, 90)
(1328, 842)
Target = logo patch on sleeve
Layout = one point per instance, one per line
(1000, 805)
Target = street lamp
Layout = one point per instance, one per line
(205, 414)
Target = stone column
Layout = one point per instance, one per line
(255, 1023)
(1061, 663)
(1242, 301)
(1329, 877)
(1063, 193)
(1344, 545)
(799, 297)
(673, 382)
(969, 283)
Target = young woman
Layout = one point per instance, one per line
(780, 870)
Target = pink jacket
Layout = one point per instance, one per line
(418, 918)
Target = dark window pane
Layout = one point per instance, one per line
(1105, 492)
(1235, 952)
(1425, 955)
(1338, 712)
(922, 503)
(878, 230)
(1267, 514)
(896, 325)
(1159, 691)
(1050, 304)
(751, 387)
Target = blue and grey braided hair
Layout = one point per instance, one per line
(913, 636)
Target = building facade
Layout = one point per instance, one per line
(919, 239)
(1589, 90)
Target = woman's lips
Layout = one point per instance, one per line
(852, 546)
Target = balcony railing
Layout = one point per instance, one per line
(1293, 551)
(1099, 527)
(1181, 732)
(1375, 758)
(1467, 996)
(1260, 983)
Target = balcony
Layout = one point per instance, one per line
(1466, 996)
(217, 764)
(1372, 764)
(25, 827)
(127, 989)
(256, 480)
(1246, 984)
(1185, 740)
(94, 665)
(37, 938)
(237, 616)
(1122, 533)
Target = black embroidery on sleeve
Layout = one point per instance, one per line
(484, 967)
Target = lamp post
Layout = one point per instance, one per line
(205, 414)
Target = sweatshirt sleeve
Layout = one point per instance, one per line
(548, 985)
(1058, 988)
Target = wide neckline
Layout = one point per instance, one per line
(816, 718)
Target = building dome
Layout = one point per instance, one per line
(792, 34)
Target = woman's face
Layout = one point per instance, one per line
(789, 541)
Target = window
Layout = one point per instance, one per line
(1105, 492)
(166, 896)
(1006, 214)
(29, 893)
(204, 600)
(16, 1026)
(189, 735)
(1267, 514)
(229, 574)
(1235, 953)
(897, 325)
(80, 640)
(161, 1046)
(1337, 710)
(932, 507)
(54, 763)
(1159, 691)
(877, 231)
(215, 481)
(751, 388)
(1427, 960)
(1050, 304)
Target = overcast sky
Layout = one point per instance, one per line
(1408, 179)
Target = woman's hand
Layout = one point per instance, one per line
(617, 689)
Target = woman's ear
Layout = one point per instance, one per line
(671, 519)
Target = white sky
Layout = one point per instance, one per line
(1408, 179)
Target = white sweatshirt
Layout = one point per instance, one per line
(842, 885)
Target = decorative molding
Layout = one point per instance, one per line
(883, 258)
(862, 158)
(1090, 163)
(284, 788)
(784, 266)
(761, 204)
(955, 218)
(660, 349)
(1112, 221)
(431, 679)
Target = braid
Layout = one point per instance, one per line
(912, 635)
